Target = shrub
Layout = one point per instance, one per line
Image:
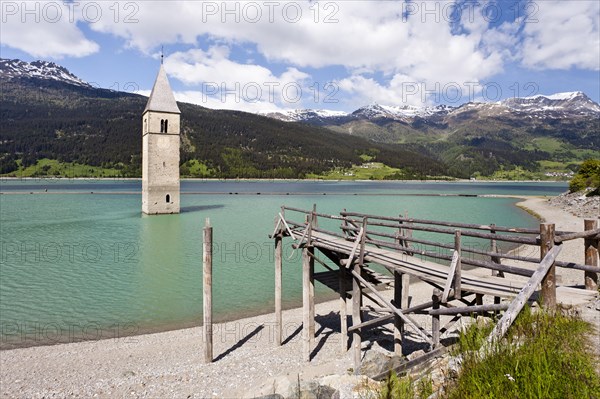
(587, 176)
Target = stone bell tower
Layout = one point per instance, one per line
(160, 150)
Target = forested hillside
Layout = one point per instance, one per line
(45, 119)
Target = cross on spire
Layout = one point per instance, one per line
(162, 54)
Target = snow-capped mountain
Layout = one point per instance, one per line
(572, 102)
(304, 115)
(560, 105)
(12, 69)
(402, 113)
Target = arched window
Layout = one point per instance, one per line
(168, 198)
(166, 126)
(162, 125)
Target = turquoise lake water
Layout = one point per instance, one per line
(76, 265)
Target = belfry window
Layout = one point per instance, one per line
(166, 126)
(162, 125)
(168, 198)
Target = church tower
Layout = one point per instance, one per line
(160, 150)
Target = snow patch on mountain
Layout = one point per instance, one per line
(38, 69)
(402, 113)
(301, 115)
(567, 103)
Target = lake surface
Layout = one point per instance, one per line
(76, 265)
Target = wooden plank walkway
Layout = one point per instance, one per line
(362, 243)
(431, 272)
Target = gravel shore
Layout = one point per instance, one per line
(170, 364)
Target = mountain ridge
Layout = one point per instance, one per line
(54, 116)
(48, 112)
(558, 105)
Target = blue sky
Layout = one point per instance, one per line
(338, 55)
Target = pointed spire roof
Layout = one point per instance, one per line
(162, 98)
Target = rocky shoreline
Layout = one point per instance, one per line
(578, 204)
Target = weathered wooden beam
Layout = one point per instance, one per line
(311, 296)
(207, 292)
(458, 273)
(443, 223)
(278, 289)
(591, 233)
(591, 255)
(499, 237)
(469, 309)
(489, 265)
(356, 319)
(357, 243)
(369, 323)
(387, 303)
(435, 318)
(343, 309)
(401, 287)
(549, 280)
(306, 310)
(480, 263)
(451, 276)
(521, 299)
(287, 227)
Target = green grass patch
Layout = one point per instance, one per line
(395, 387)
(367, 171)
(545, 355)
(54, 168)
(518, 173)
(546, 144)
(196, 169)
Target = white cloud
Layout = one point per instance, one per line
(562, 35)
(362, 36)
(229, 102)
(44, 29)
(228, 84)
(355, 34)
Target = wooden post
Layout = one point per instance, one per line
(458, 272)
(408, 232)
(356, 319)
(311, 296)
(343, 309)
(356, 302)
(308, 293)
(311, 278)
(521, 299)
(278, 283)
(435, 319)
(401, 283)
(549, 281)
(495, 259)
(591, 255)
(494, 249)
(305, 305)
(207, 292)
(398, 324)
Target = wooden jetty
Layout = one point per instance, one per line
(449, 264)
